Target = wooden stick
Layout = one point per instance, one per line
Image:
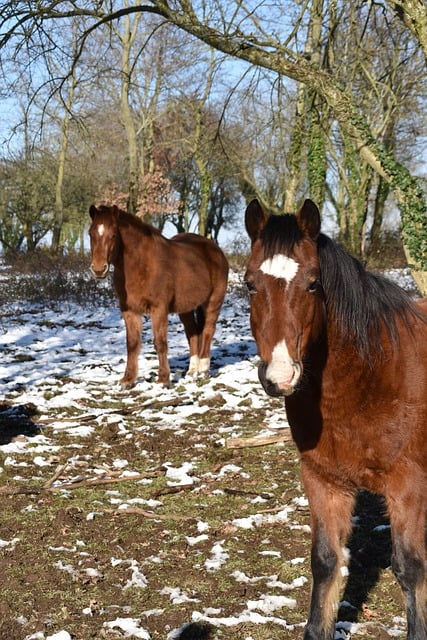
(239, 443)
(172, 489)
(146, 514)
(241, 492)
(90, 482)
(59, 470)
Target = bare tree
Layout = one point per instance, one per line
(264, 38)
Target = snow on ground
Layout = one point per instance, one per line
(56, 357)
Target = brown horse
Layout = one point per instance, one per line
(348, 350)
(153, 275)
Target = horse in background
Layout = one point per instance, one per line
(153, 275)
(348, 351)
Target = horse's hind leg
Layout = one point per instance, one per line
(408, 519)
(133, 325)
(192, 331)
(211, 312)
(330, 511)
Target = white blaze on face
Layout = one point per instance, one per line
(101, 229)
(281, 369)
(280, 266)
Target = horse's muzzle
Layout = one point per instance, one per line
(100, 273)
(272, 388)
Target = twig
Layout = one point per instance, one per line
(146, 514)
(239, 443)
(173, 489)
(59, 470)
(241, 492)
(90, 482)
(82, 418)
(159, 404)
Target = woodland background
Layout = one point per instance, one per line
(182, 111)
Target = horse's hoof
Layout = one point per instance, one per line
(165, 383)
(125, 385)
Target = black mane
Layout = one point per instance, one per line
(362, 303)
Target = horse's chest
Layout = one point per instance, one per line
(139, 292)
(354, 451)
(351, 443)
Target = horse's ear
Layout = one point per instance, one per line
(308, 218)
(255, 220)
(93, 211)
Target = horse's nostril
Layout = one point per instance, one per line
(99, 273)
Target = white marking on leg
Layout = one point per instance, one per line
(204, 365)
(280, 266)
(101, 229)
(281, 369)
(194, 366)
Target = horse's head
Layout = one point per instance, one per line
(286, 298)
(103, 234)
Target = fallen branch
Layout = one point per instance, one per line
(59, 470)
(90, 482)
(146, 514)
(241, 492)
(172, 489)
(239, 443)
(160, 404)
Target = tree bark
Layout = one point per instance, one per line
(409, 194)
(127, 39)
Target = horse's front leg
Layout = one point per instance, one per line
(330, 511)
(407, 505)
(159, 321)
(133, 325)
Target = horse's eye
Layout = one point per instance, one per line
(314, 286)
(250, 286)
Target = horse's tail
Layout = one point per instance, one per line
(199, 316)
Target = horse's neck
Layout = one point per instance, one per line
(332, 354)
(137, 242)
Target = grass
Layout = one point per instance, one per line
(60, 574)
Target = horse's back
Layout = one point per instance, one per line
(197, 241)
(203, 254)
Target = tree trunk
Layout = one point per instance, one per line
(381, 195)
(408, 192)
(127, 38)
(59, 205)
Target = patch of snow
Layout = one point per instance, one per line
(130, 627)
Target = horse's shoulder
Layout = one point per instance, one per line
(422, 304)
